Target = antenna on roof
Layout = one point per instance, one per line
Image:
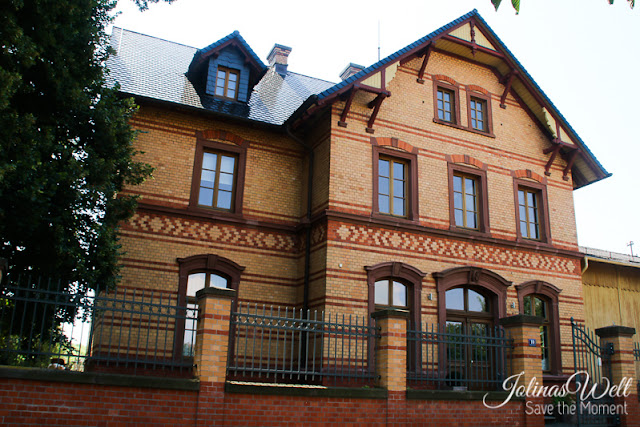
(630, 244)
(378, 40)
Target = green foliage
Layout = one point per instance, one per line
(516, 4)
(66, 145)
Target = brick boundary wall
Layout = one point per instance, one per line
(58, 402)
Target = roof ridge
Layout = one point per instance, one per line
(149, 36)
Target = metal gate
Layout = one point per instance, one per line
(592, 362)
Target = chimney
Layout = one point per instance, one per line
(278, 58)
(350, 70)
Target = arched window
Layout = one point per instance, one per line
(538, 298)
(470, 292)
(470, 302)
(397, 285)
(198, 272)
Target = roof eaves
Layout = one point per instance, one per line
(544, 96)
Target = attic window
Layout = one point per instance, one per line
(227, 83)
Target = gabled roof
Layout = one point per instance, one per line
(150, 68)
(489, 50)
(233, 39)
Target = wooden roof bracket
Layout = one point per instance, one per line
(507, 88)
(567, 169)
(423, 67)
(554, 152)
(474, 45)
(347, 106)
(375, 104)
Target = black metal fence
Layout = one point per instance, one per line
(291, 346)
(47, 323)
(592, 361)
(458, 357)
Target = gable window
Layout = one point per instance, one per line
(446, 105)
(479, 110)
(446, 101)
(227, 83)
(538, 298)
(217, 180)
(392, 186)
(468, 204)
(218, 177)
(395, 190)
(531, 211)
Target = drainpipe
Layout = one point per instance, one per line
(307, 254)
(586, 265)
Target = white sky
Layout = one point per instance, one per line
(584, 54)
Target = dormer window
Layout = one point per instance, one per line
(227, 83)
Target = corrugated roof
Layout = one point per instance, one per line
(154, 68)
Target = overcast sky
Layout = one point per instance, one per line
(583, 53)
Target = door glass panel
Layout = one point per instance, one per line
(399, 294)
(195, 282)
(455, 299)
(382, 292)
(477, 302)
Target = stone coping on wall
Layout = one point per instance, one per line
(99, 378)
(304, 390)
(460, 395)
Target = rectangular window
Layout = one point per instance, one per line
(446, 105)
(528, 209)
(478, 114)
(392, 187)
(468, 203)
(217, 184)
(395, 178)
(217, 180)
(227, 83)
(465, 201)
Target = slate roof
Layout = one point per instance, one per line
(150, 67)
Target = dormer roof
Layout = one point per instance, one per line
(234, 39)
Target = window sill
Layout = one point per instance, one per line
(390, 219)
(469, 231)
(457, 126)
(213, 212)
(533, 243)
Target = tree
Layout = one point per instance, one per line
(65, 142)
(516, 4)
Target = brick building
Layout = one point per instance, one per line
(438, 180)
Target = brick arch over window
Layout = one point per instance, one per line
(211, 263)
(222, 135)
(466, 159)
(552, 294)
(394, 142)
(473, 277)
(400, 271)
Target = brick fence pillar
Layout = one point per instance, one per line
(623, 369)
(391, 361)
(211, 352)
(526, 358)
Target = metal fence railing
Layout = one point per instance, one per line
(47, 323)
(291, 346)
(458, 356)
